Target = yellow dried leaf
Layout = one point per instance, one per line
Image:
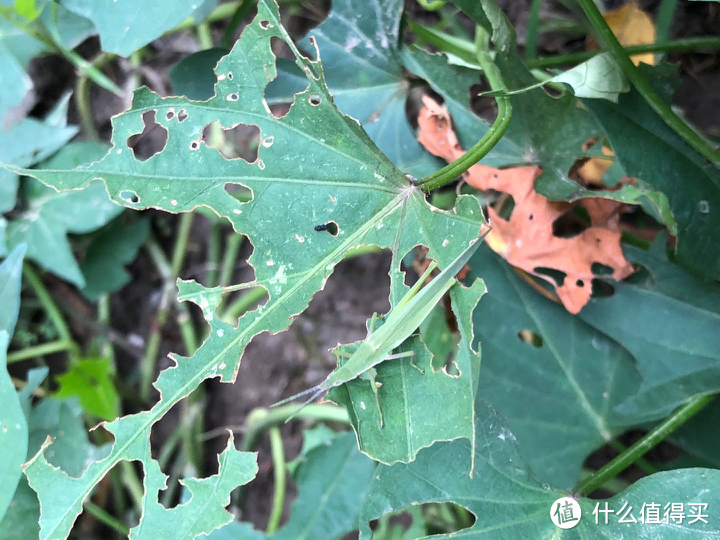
(632, 26)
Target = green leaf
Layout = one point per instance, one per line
(13, 428)
(13, 432)
(598, 78)
(550, 132)
(10, 283)
(669, 321)
(63, 421)
(28, 9)
(108, 252)
(411, 388)
(652, 152)
(235, 531)
(205, 511)
(90, 379)
(359, 42)
(332, 483)
(48, 215)
(194, 75)
(557, 392)
(509, 503)
(314, 155)
(125, 27)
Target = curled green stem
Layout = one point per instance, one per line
(643, 87)
(640, 448)
(453, 170)
(279, 473)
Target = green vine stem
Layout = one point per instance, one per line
(453, 170)
(61, 345)
(169, 274)
(531, 34)
(640, 448)
(280, 479)
(232, 249)
(261, 419)
(82, 97)
(641, 84)
(677, 45)
(237, 17)
(101, 515)
(53, 312)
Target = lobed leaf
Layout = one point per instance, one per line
(314, 166)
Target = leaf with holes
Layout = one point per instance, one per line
(409, 389)
(670, 322)
(508, 502)
(360, 44)
(651, 151)
(572, 374)
(314, 167)
(550, 132)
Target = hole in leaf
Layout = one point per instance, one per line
(264, 24)
(556, 275)
(580, 283)
(571, 223)
(330, 227)
(182, 115)
(150, 141)
(531, 338)
(233, 97)
(194, 145)
(170, 115)
(602, 289)
(129, 196)
(240, 141)
(314, 100)
(600, 269)
(230, 75)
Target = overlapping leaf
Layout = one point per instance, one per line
(556, 392)
(509, 503)
(332, 483)
(124, 26)
(652, 152)
(314, 166)
(49, 216)
(670, 322)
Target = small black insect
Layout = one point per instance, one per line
(321, 227)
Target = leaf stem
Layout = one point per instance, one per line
(170, 273)
(243, 304)
(261, 419)
(610, 470)
(677, 45)
(50, 307)
(232, 249)
(111, 521)
(82, 97)
(531, 34)
(52, 347)
(280, 480)
(453, 170)
(641, 84)
(238, 17)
